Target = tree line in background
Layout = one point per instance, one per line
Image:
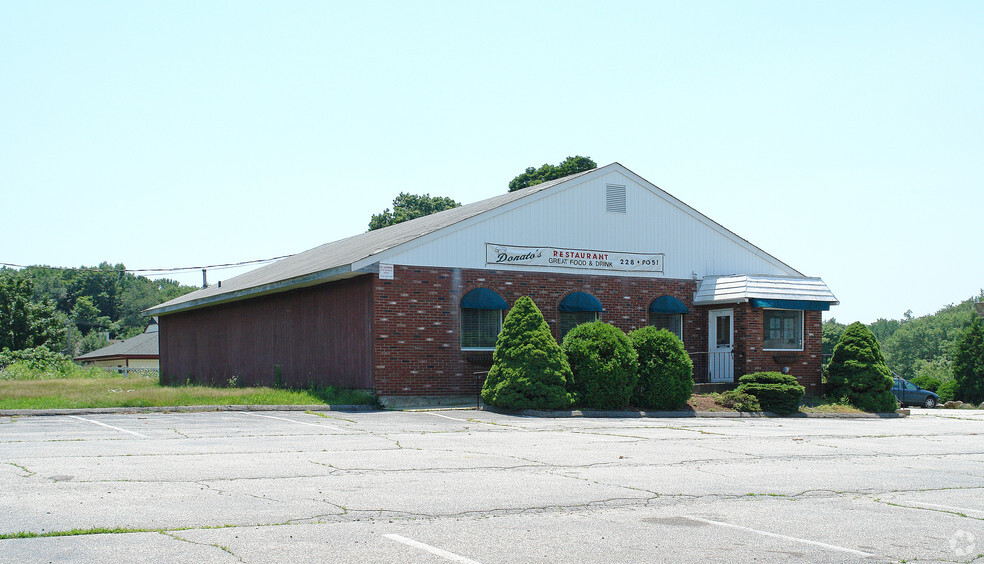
(408, 206)
(74, 311)
(924, 350)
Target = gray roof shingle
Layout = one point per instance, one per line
(330, 260)
(144, 344)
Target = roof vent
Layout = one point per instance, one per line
(615, 198)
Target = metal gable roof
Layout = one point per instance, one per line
(357, 255)
(334, 260)
(144, 344)
(744, 287)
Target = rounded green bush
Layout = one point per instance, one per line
(604, 364)
(739, 401)
(529, 370)
(776, 392)
(947, 391)
(857, 371)
(666, 373)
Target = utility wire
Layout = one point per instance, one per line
(152, 270)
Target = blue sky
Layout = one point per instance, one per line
(845, 138)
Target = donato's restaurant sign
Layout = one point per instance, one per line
(572, 258)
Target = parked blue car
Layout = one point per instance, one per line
(910, 394)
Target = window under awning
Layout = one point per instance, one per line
(580, 301)
(667, 304)
(790, 304)
(483, 298)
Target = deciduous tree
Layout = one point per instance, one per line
(533, 176)
(410, 206)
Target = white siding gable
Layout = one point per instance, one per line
(575, 215)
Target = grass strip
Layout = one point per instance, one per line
(75, 532)
(81, 393)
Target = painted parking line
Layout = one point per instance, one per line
(446, 417)
(109, 426)
(318, 425)
(511, 427)
(431, 549)
(783, 537)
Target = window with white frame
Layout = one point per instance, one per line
(480, 328)
(666, 312)
(481, 319)
(782, 329)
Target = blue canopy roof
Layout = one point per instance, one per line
(580, 301)
(791, 304)
(483, 298)
(667, 304)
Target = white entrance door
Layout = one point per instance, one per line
(720, 345)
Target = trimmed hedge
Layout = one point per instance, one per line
(776, 392)
(666, 373)
(604, 365)
(529, 370)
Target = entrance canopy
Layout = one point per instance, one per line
(780, 292)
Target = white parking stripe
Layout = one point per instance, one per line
(446, 417)
(784, 537)
(298, 422)
(108, 426)
(442, 553)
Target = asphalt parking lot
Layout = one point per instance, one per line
(468, 486)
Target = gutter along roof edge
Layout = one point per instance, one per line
(337, 273)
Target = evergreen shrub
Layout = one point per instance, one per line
(739, 401)
(858, 373)
(666, 373)
(776, 392)
(529, 370)
(604, 365)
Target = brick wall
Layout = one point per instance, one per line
(416, 343)
(805, 365)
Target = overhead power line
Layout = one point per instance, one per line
(149, 270)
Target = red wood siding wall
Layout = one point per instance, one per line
(316, 335)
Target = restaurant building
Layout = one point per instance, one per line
(413, 310)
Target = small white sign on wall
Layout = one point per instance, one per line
(385, 271)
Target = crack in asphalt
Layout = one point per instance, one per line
(220, 547)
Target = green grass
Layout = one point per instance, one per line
(92, 388)
(826, 405)
(73, 532)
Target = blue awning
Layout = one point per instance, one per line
(483, 298)
(580, 301)
(791, 304)
(667, 304)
